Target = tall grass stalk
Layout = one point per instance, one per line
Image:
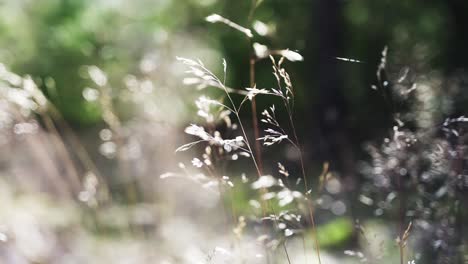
(255, 151)
(289, 110)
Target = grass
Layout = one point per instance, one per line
(205, 211)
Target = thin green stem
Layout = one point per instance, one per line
(306, 185)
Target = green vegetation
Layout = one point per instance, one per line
(208, 131)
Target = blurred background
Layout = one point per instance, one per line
(118, 108)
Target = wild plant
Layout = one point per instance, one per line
(417, 173)
(217, 148)
(28, 109)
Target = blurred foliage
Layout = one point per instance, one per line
(53, 39)
(335, 232)
(246, 201)
(137, 41)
